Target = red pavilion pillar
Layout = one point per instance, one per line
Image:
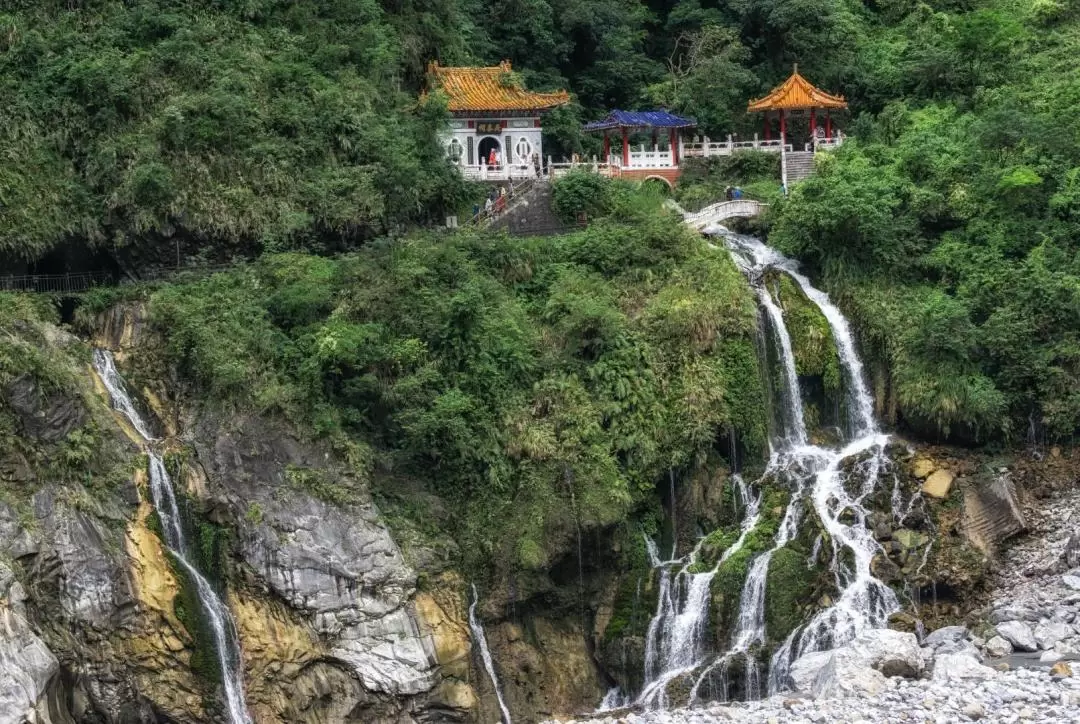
(783, 127)
(813, 125)
(607, 147)
(674, 143)
(625, 147)
(828, 123)
(768, 131)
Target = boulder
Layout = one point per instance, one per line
(922, 468)
(1048, 634)
(840, 676)
(1019, 634)
(1049, 657)
(938, 484)
(946, 634)
(948, 667)
(1069, 648)
(998, 647)
(963, 646)
(1013, 613)
(859, 666)
(1072, 582)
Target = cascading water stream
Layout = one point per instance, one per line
(817, 476)
(485, 654)
(864, 601)
(161, 490)
(674, 644)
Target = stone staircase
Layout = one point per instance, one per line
(800, 165)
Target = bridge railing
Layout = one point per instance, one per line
(714, 214)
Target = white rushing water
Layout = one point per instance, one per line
(675, 641)
(164, 497)
(485, 654)
(816, 476)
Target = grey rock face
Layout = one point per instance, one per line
(26, 664)
(1070, 556)
(338, 565)
(1019, 634)
(46, 418)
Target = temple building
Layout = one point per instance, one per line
(657, 160)
(495, 132)
(794, 98)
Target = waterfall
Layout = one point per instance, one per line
(485, 654)
(793, 419)
(864, 601)
(817, 477)
(164, 497)
(674, 643)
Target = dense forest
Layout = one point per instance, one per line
(948, 226)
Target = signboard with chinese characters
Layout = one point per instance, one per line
(488, 128)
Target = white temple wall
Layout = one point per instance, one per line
(522, 134)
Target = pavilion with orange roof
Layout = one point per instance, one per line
(493, 117)
(797, 95)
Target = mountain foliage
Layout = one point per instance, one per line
(540, 386)
(948, 227)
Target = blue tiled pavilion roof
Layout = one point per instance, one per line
(640, 119)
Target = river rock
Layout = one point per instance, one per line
(946, 634)
(960, 666)
(1061, 670)
(1072, 582)
(1048, 634)
(1049, 657)
(974, 710)
(1019, 634)
(938, 484)
(998, 646)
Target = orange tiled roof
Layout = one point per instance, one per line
(796, 92)
(491, 89)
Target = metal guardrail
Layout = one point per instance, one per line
(76, 282)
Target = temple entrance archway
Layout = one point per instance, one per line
(487, 145)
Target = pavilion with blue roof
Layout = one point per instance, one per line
(628, 122)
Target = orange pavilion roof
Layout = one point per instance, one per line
(491, 89)
(794, 93)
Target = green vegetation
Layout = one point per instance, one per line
(533, 384)
(950, 228)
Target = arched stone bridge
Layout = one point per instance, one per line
(717, 213)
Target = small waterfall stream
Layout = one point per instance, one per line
(485, 653)
(164, 498)
(815, 475)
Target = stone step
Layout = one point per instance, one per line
(800, 165)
